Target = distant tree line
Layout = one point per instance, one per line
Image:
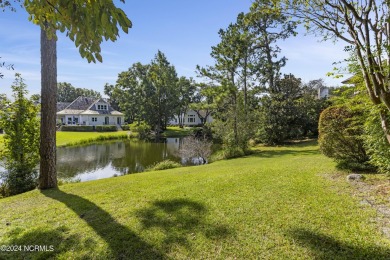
(68, 93)
(244, 89)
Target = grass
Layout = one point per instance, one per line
(164, 165)
(77, 138)
(273, 204)
(175, 131)
(80, 138)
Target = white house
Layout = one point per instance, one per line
(192, 118)
(88, 111)
(323, 92)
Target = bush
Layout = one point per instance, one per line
(142, 129)
(21, 180)
(341, 137)
(375, 142)
(164, 165)
(193, 147)
(77, 128)
(106, 128)
(125, 127)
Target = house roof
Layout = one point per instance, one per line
(62, 105)
(81, 103)
(101, 112)
(69, 112)
(87, 106)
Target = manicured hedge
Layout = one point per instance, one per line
(106, 128)
(77, 128)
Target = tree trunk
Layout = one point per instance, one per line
(385, 126)
(47, 150)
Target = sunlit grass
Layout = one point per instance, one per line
(79, 138)
(273, 204)
(76, 138)
(175, 131)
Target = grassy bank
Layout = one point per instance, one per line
(175, 131)
(78, 138)
(275, 204)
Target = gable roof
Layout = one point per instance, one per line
(62, 105)
(87, 106)
(81, 103)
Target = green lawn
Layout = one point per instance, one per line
(72, 138)
(75, 138)
(274, 204)
(175, 131)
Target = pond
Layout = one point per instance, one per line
(108, 159)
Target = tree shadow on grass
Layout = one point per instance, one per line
(50, 243)
(123, 243)
(181, 221)
(326, 247)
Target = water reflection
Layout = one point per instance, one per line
(114, 158)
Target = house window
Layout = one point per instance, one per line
(94, 119)
(191, 119)
(102, 107)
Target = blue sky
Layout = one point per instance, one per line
(183, 30)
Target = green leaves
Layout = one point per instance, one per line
(86, 23)
(20, 122)
(148, 93)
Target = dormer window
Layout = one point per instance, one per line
(101, 107)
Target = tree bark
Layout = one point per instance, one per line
(385, 126)
(47, 150)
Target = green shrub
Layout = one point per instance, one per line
(142, 129)
(21, 180)
(164, 165)
(341, 137)
(77, 128)
(20, 154)
(4, 190)
(125, 127)
(106, 128)
(375, 141)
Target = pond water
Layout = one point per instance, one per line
(108, 159)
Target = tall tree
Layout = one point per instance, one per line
(128, 91)
(246, 56)
(364, 25)
(21, 140)
(47, 148)
(227, 55)
(86, 23)
(268, 28)
(162, 92)
(148, 92)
